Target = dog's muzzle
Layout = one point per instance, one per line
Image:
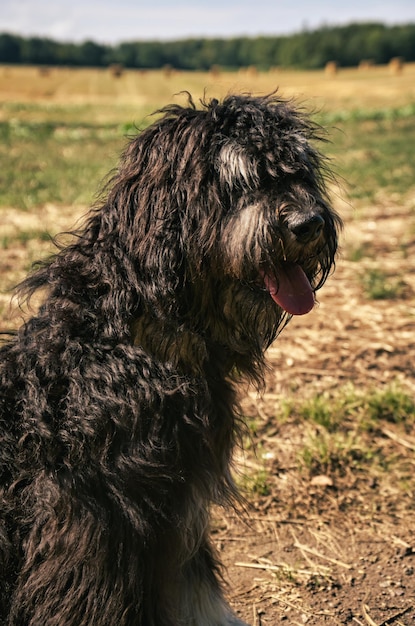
(306, 228)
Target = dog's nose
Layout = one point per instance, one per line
(306, 228)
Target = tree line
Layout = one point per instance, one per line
(347, 45)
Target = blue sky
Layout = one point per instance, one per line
(112, 21)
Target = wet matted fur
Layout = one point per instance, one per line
(118, 406)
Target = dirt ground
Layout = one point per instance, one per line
(334, 550)
(321, 549)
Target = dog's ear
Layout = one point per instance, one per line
(153, 203)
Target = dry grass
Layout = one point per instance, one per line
(146, 90)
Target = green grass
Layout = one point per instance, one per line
(377, 285)
(23, 237)
(324, 453)
(347, 405)
(374, 155)
(359, 252)
(391, 404)
(60, 154)
(256, 482)
(64, 164)
(369, 114)
(342, 429)
(57, 114)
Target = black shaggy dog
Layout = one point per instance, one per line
(118, 410)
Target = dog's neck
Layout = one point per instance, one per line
(191, 353)
(183, 349)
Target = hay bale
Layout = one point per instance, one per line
(331, 68)
(116, 70)
(366, 64)
(168, 70)
(251, 71)
(396, 65)
(215, 71)
(44, 70)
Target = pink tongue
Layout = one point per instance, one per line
(293, 291)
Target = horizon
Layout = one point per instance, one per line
(211, 37)
(131, 20)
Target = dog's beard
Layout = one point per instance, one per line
(256, 252)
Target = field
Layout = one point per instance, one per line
(327, 535)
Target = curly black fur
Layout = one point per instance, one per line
(118, 411)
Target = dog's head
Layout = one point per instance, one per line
(280, 233)
(228, 216)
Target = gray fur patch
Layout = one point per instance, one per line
(234, 166)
